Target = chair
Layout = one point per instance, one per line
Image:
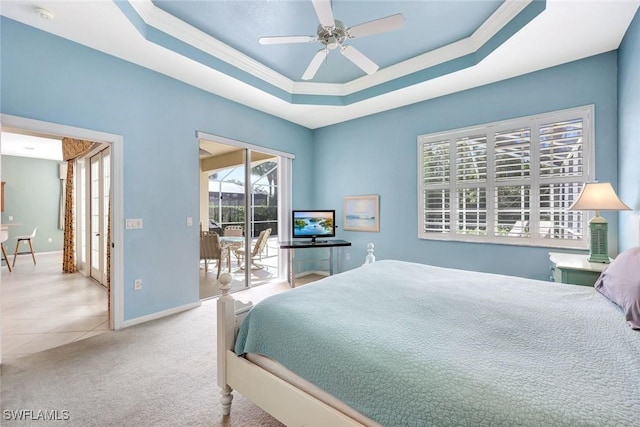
(211, 249)
(259, 246)
(29, 239)
(4, 235)
(233, 230)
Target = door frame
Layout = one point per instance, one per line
(9, 122)
(284, 186)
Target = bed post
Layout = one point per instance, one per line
(225, 336)
(370, 258)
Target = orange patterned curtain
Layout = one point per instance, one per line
(71, 149)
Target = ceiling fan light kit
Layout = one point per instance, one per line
(332, 33)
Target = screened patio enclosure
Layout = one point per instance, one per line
(227, 198)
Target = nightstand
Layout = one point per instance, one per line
(574, 268)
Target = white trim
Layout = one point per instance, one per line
(285, 194)
(160, 314)
(169, 24)
(240, 144)
(117, 224)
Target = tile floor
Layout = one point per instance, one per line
(42, 308)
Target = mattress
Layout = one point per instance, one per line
(413, 345)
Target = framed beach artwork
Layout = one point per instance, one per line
(362, 213)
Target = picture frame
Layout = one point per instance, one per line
(361, 213)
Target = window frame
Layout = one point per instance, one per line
(534, 123)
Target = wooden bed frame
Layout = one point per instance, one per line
(285, 402)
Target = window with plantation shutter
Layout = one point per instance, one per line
(507, 182)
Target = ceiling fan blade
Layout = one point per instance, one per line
(315, 64)
(358, 58)
(324, 12)
(286, 39)
(377, 26)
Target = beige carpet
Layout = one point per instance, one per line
(161, 373)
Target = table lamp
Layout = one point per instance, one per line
(598, 196)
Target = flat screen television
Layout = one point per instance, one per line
(313, 224)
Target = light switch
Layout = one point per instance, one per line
(189, 221)
(133, 223)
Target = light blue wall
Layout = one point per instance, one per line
(629, 134)
(51, 79)
(377, 155)
(32, 197)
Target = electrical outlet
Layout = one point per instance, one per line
(347, 256)
(137, 284)
(49, 240)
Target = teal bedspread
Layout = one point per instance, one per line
(414, 345)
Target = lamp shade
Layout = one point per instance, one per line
(598, 196)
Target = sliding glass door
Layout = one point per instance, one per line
(243, 200)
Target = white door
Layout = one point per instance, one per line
(99, 179)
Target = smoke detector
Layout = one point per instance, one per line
(44, 13)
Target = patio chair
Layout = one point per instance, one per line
(233, 230)
(256, 251)
(211, 249)
(518, 229)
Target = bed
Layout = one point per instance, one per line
(395, 343)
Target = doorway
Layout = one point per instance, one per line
(42, 307)
(247, 188)
(113, 176)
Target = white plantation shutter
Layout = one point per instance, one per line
(471, 168)
(512, 154)
(471, 159)
(561, 149)
(509, 182)
(435, 166)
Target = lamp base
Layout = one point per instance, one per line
(599, 251)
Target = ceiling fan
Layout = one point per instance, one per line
(332, 34)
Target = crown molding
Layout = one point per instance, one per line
(170, 25)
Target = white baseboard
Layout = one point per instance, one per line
(160, 314)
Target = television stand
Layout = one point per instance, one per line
(292, 245)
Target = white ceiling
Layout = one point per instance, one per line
(564, 31)
(20, 145)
